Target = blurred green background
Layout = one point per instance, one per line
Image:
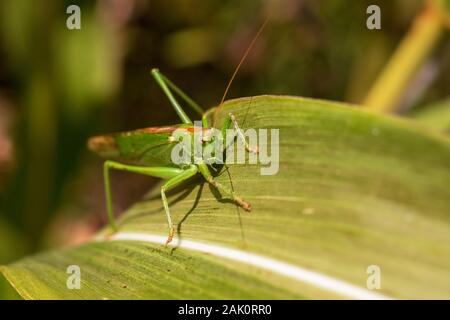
(59, 86)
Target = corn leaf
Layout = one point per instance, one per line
(353, 190)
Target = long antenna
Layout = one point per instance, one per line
(237, 68)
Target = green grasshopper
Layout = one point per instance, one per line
(147, 151)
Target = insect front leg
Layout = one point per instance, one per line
(230, 121)
(203, 168)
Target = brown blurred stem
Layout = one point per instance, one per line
(412, 52)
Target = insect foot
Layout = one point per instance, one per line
(254, 149)
(170, 237)
(245, 205)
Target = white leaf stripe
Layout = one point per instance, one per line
(313, 278)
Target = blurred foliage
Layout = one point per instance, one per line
(436, 115)
(59, 80)
(402, 71)
(64, 85)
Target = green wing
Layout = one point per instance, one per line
(147, 147)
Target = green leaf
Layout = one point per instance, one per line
(6, 291)
(354, 189)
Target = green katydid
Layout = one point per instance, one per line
(147, 151)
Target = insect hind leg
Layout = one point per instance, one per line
(170, 184)
(174, 176)
(166, 85)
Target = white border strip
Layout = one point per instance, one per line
(285, 269)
